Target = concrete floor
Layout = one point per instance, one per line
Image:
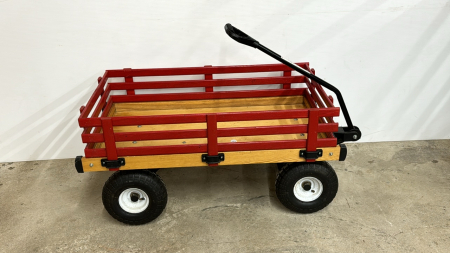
(393, 197)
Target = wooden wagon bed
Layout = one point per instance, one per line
(153, 131)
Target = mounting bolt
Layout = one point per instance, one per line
(91, 165)
(302, 134)
(139, 126)
(331, 153)
(355, 137)
(134, 142)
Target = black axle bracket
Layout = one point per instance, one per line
(113, 164)
(347, 134)
(213, 159)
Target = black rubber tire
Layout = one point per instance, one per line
(145, 180)
(291, 174)
(280, 166)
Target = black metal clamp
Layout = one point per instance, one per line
(349, 133)
(213, 159)
(311, 154)
(113, 164)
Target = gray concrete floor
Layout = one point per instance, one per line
(393, 197)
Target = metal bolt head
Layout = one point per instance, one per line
(91, 165)
(139, 126)
(134, 142)
(331, 153)
(355, 137)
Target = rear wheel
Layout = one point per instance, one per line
(134, 197)
(306, 187)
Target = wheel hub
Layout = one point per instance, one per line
(134, 200)
(308, 189)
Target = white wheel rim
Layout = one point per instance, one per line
(308, 189)
(133, 200)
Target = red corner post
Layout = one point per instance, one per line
(110, 142)
(211, 124)
(313, 124)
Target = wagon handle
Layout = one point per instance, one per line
(349, 133)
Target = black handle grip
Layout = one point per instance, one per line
(240, 36)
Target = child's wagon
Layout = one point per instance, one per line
(136, 133)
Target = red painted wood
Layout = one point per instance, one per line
(203, 70)
(313, 122)
(263, 130)
(107, 108)
(207, 95)
(101, 103)
(98, 91)
(163, 150)
(269, 145)
(129, 79)
(95, 137)
(328, 100)
(262, 115)
(110, 142)
(201, 133)
(208, 83)
(288, 85)
(158, 120)
(161, 135)
(211, 123)
(208, 77)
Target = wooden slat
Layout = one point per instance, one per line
(125, 113)
(211, 103)
(194, 160)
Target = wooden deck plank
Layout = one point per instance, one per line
(194, 160)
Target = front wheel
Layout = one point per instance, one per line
(134, 197)
(306, 187)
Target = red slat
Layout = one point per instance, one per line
(202, 70)
(161, 135)
(269, 145)
(98, 91)
(207, 95)
(320, 89)
(262, 115)
(158, 120)
(88, 138)
(163, 150)
(208, 83)
(264, 130)
(101, 103)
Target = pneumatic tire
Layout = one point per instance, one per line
(134, 197)
(306, 187)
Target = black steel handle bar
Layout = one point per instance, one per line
(243, 38)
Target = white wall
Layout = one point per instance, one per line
(389, 58)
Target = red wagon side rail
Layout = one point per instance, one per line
(99, 124)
